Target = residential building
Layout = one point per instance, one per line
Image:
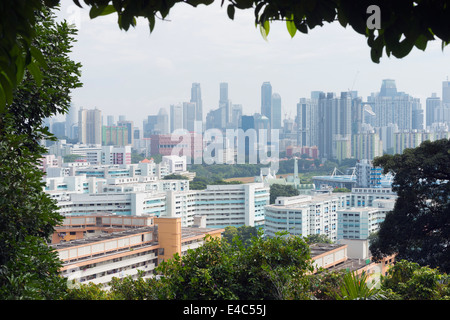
(391, 106)
(129, 127)
(115, 135)
(306, 121)
(123, 248)
(233, 205)
(366, 145)
(358, 223)
(89, 126)
(368, 176)
(305, 215)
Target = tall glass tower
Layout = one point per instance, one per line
(266, 99)
(196, 97)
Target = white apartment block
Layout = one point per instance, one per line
(319, 214)
(365, 197)
(233, 205)
(130, 204)
(182, 204)
(358, 223)
(305, 215)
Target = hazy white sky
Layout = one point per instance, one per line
(135, 73)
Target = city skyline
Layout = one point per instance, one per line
(140, 73)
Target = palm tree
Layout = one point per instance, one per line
(354, 287)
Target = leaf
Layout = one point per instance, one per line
(421, 42)
(230, 11)
(101, 11)
(35, 72)
(292, 29)
(151, 22)
(264, 29)
(7, 88)
(37, 54)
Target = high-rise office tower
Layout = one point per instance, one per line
(442, 114)
(196, 97)
(433, 103)
(162, 122)
(266, 99)
(110, 120)
(446, 92)
(306, 121)
(236, 114)
(189, 116)
(223, 97)
(275, 114)
(176, 117)
(225, 104)
(71, 121)
(149, 125)
(90, 126)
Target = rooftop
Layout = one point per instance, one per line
(320, 248)
(102, 237)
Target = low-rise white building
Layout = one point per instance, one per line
(365, 197)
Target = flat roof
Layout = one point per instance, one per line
(320, 248)
(188, 232)
(101, 237)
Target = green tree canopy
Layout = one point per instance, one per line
(395, 27)
(29, 269)
(280, 190)
(418, 228)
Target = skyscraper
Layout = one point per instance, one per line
(446, 92)
(128, 124)
(71, 121)
(275, 114)
(306, 121)
(162, 122)
(110, 120)
(196, 97)
(391, 106)
(90, 126)
(189, 116)
(176, 117)
(334, 126)
(266, 99)
(225, 104)
(388, 88)
(223, 97)
(433, 103)
(149, 125)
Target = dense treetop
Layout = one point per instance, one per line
(391, 26)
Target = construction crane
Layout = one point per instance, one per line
(354, 81)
